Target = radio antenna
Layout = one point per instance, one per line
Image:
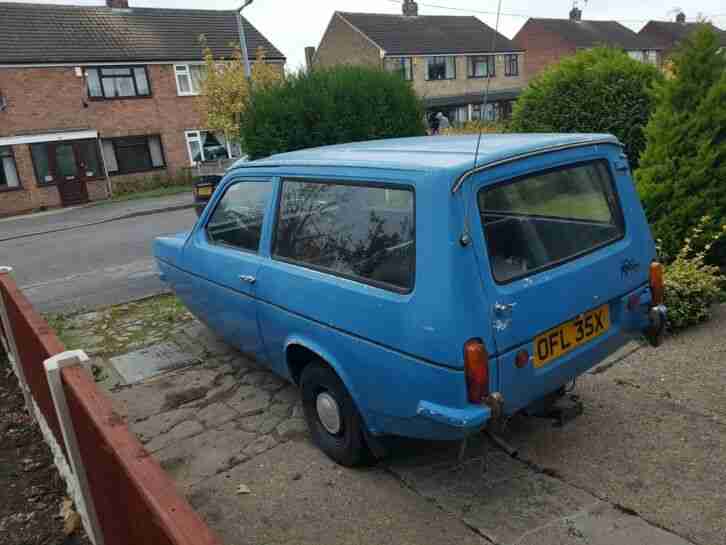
(482, 112)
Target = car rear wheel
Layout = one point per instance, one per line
(332, 417)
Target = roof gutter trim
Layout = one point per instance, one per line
(528, 154)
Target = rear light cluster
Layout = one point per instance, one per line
(476, 369)
(657, 286)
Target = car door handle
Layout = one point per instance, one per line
(248, 278)
(504, 308)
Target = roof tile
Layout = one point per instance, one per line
(44, 33)
(428, 34)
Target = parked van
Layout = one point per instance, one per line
(410, 289)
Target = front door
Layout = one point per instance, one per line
(72, 164)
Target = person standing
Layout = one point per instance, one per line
(434, 124)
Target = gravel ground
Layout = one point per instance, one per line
(31, 491)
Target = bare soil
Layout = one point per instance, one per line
(31, 490)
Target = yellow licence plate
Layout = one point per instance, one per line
(562, 339)
(204, 191)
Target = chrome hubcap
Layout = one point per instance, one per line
(328, 412)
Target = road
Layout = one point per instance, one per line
(87, 267)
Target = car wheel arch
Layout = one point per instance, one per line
(299, 352)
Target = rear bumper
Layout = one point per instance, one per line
(435, 422)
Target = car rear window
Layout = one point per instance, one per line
(538, 221)
(357, 231)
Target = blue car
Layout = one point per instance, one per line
(412, 289)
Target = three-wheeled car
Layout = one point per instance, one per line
(411, 288)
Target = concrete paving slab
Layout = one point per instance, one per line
(299, 496)
(175, 435)
(638, 451)
(200, 335)
(499, 496)
(206, 454)
(151, 361)
(164, 393)
(687, 369)
(216, 414)
(159, 424)
(602, 524)
(249, 404)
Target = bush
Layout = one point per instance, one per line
(692, 286)
(123, 186)
(682, 174)
(474, 127)
(600, 90)
(330, 106)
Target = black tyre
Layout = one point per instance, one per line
(332, 417)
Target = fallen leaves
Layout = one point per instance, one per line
(71, 518)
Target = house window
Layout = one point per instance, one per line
(440, 68)
(108, 82)
(637, 55)
(133, 154)
(8, 170)
(482, 66)
(511, 65)
(189, 78)
(204, 146)
(400, 65)
(491, 111)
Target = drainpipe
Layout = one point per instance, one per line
(109, 188)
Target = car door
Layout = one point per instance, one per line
(224, 257)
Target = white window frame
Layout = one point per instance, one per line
(189, 137)
(185, 69)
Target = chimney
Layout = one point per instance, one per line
(309, 54)
(410, 8)
(681, 18)
(575, 14)
(118, 4)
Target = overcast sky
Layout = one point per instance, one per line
(293, 24)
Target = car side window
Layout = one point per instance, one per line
(362, 232)
(237, 219)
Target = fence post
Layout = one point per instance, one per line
(53, 367)
(12, 349)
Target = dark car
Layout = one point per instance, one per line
(203, 189)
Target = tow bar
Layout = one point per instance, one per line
(657, 316)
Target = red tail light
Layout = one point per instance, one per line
(657, 286)
(476, 369)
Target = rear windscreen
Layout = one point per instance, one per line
(538, 221)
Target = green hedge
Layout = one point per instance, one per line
(330, 106)
(682, 174)
(600, 90)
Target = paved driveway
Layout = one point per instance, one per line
(643, 465)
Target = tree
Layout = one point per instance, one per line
(682, 174)
(225, 88)
(330, 106)
(598, 90)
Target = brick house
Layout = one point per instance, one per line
(90, 94)
(448, 59)
(666, 35)
(549, 40)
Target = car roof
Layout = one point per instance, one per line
(429, 153)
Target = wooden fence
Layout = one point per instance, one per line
(126, 497)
